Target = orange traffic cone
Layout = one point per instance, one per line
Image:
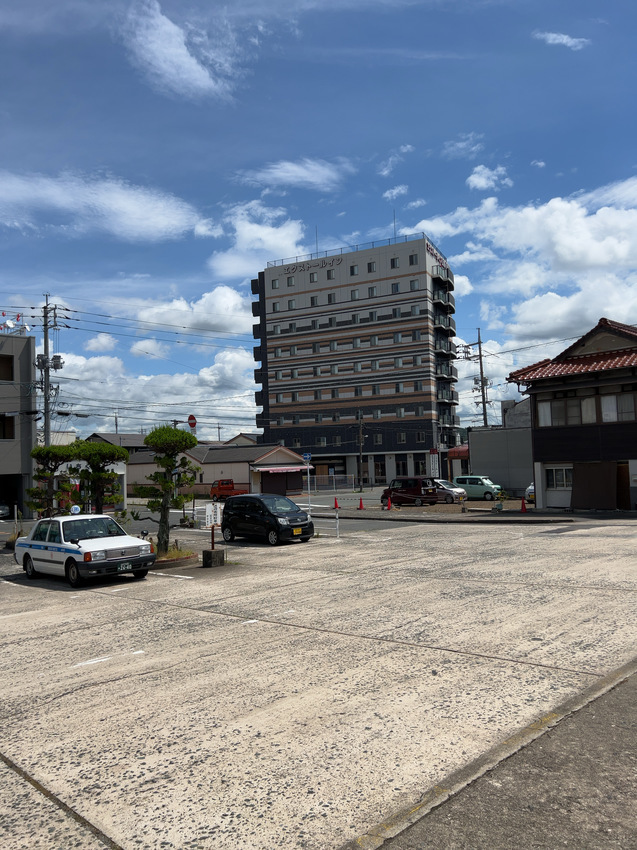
(389, 503)
(335, 503)
(523, 508)
(360, 507)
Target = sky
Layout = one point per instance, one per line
(155, 156)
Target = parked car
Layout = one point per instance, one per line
(410, 490)
(5, 511)
(478, 486)
(447, 492)
(265, 515)
(82, 546)
(529, 493)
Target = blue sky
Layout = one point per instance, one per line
(155, 156)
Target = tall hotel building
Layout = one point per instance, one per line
(357, 359)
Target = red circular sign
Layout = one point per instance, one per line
(192, 421)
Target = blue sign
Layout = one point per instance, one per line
(307, 457)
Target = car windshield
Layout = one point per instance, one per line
(447, 484)
(280, 504)
(91, 527)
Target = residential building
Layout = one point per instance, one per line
(584, 421)
(18, 414)
(356, 358)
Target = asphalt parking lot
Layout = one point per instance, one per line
(298, 696)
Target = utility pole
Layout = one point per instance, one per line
(480, 383)
(46, 376)
(483, 386)
(360, 451)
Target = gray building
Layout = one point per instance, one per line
(356, 358)
(18, 413)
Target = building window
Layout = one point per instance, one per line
(331, 274)
(296, 442)
(277, 352)
(358, 391)
(275, 283)
(395, 313)
(296, 419)
(414, 310)
(294, 373)
(357, 367)
(332, 321)
(399, 387)
(418, 360)
(413, 259)
(317, 371)
(353, 270)
(278, 375)
(291, 304)
(314, 324)
(318, 417)
(292, 350)
(373, 316)
(354, 294)
(375, 389)
(335, 392)
(371, 267)
(375, 364)
(279, 398)
(402, 437)
(280, 420)
(321, 441)
(291, 280)
(395, 288)
(420, 436)
(371, 291)
(295, 396)
(336, 441)
(413, 286)
(334, 368)
(355, 318)
(378, 439)
(316, 348)
(373, 340)
(275, 306)
(416, 336)
(276, 329)
(377, 414)
(559, 478)
(418, 386)
(313, 277)
(398, 362)
(577, 411)
(393, 263)
(7, 427)
(314, 301)
(356, 342)
(317, 395)
(333, 345)
(400, 412)
(331, 298)
(336, 417)
(398, 337)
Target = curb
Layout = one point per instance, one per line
(189, 561)
(459, 779)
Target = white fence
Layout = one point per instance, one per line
(329, 483)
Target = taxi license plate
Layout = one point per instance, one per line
(122, 567)
(296, 531)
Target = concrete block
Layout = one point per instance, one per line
(213, 557)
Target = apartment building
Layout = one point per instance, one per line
(356, 358)
(18, 413)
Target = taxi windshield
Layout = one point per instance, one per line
(89, 528)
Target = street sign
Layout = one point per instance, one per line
(307, 457)
(192, 421)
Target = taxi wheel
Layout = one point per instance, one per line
(29, 568)
(140, 574)
(73, 574)
(273, 538)
(417, 502)
(449, 499)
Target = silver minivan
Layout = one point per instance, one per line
(478, 486)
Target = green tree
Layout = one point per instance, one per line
(99, 483)
(174, 472)
(55, 490)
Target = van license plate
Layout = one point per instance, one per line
(122, 567)
(296, 531)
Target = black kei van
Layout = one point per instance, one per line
(266, 515)
(414, 490)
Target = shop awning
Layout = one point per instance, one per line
(280, 468)
(458, 452)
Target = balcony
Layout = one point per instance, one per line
(256, 308)
(445, 370)
(450, 396)
(441, 296)
(444, 346)
(445, 420)
(256, 331)
(444, 322)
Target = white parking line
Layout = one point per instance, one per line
(92, 661)
(165, 575)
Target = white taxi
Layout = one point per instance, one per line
(82, 546)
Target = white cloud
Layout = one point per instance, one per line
(396, 192)
(538, 163)
(386, 168)
(222, 310)
(416, 204)
(149, 348)
(112, 206)
(101, 342)
(462, 285)
(315, 174)
(483, 178)
(559, 38)
(466, 146)
(166, 52)
(260, 234)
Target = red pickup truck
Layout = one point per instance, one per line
(224, 487)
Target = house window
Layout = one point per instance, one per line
(559, 478)
(7, 427)
(371, 267)
(402, 437)
(354, 294)
(395, 288)
(393, 263)
(371, 291)
(331, 274)
(336, 441)
(275, 283)
(291, 280)
(378, 439)
(313, 277)
(331, 298)
(413, 259)
(413, 285)
(353, 270)
(314, 301)
(275, 306)
(321, 441)
(420, 436)
(296, 442)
